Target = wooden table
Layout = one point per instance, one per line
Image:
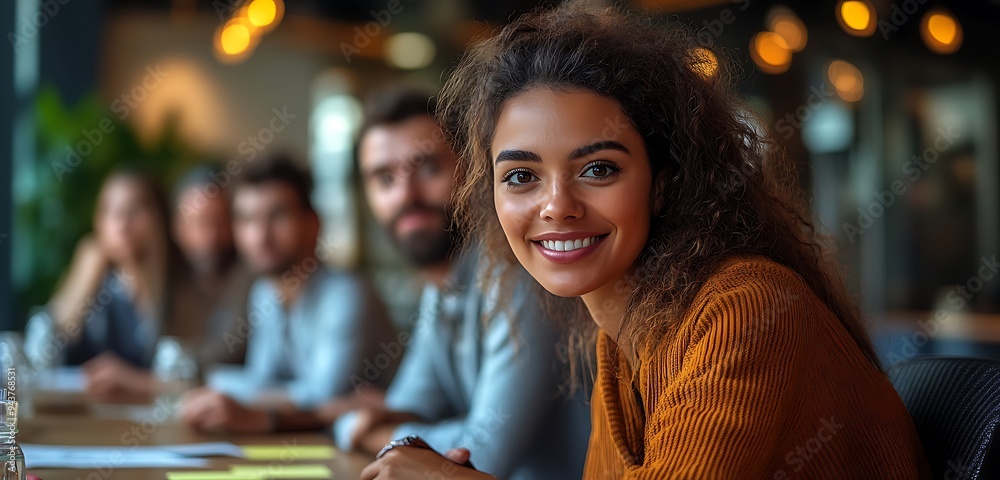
(88, 429)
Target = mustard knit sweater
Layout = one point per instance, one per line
(761, 381)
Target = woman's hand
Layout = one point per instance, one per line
(406, 463)
(81, 281)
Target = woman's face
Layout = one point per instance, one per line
(572, 187)
(126, 219)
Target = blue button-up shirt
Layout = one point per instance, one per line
(332, 339)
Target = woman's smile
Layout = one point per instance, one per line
(567, 247)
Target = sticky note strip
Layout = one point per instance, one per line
(258, 472)
(287, 453)
(213, 475)
(285, 471)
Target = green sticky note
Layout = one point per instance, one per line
(214, 475)
(287, 453)
(285, 471)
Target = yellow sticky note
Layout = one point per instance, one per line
(285, 471)
(287, 453)
(214, 475)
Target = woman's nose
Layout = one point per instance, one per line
(561, 203)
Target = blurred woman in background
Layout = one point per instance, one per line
(115, 299)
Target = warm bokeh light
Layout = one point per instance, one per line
(942, 27)
(409, 51)
(770, 52)
(265, 13)
(855, 14)
(238, 37)
(857, 17)
(846, 80)
(235, 38)
(704, 62)
(261, 12)
(941, 31)
(785, 22)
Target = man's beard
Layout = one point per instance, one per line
(424, 248)
(281, 265)
(212, 263)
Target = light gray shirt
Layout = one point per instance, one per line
(328, 342)
(493, 388)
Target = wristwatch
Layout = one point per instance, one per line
(407, 441)
(413, 441)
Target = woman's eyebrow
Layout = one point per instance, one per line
(526, 156)
(596, 147)
(517, 155)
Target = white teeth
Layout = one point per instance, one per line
(568, 245)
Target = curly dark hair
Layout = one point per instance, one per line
(722, 187)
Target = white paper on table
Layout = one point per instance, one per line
(67, 457)
(73, 456)
(61, 379)
(209, 449)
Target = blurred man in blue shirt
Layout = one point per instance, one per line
(475, 376)
(312, 328)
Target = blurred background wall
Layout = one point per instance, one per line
(890, 108)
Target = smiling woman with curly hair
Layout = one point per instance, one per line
(670, 238)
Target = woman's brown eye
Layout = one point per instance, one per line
(523, 177)
(597, 171)
(601, 171)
